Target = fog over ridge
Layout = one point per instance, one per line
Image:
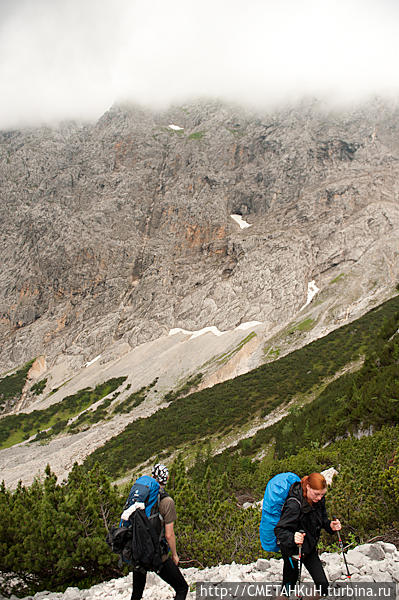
(73, 60)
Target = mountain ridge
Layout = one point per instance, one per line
(121, 230)
(117, 233)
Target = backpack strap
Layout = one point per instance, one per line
(155, 514)
(162, 539)
(161, 495)
(155, 508)
(293, 498)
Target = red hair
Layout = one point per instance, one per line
(316, 481)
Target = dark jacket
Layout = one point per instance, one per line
(298, 514)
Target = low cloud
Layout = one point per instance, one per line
(72, 60)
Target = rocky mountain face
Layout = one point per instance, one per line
(117, 232)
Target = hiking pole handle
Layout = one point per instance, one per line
(300, 545)
(338, 533)
(300, 558)
(342, 550)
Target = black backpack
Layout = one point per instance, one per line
(138, 540)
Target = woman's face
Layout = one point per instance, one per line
(315, 495)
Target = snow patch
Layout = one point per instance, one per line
(177, 330)
(212, 329)
(238, 219)
(194, 334)
(312, 291)
(92, 361)
(175, 127)
(248, 325)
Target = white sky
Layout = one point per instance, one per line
(62, 59)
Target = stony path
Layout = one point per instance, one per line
(377, 562)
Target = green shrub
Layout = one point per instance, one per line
(37, 388)
(198, 135)
(11, 386)
(62, 543)
(185, 388)
(305, 325)
(15, 428)
(234, 402)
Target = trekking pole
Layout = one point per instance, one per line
(343, 553)
(300, 559)
(299, 597)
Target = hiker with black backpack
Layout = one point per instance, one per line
(146, 534)
(169, 570)
(298, 531)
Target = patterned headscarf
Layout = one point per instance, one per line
(160, 473)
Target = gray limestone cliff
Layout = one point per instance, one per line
(122, 230)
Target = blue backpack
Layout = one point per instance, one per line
(138, 538)
(145, 490)
(273, 501)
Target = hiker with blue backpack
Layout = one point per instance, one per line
(145, 535)
(293, 515)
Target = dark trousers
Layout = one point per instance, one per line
(313, 564)
(170, 573)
